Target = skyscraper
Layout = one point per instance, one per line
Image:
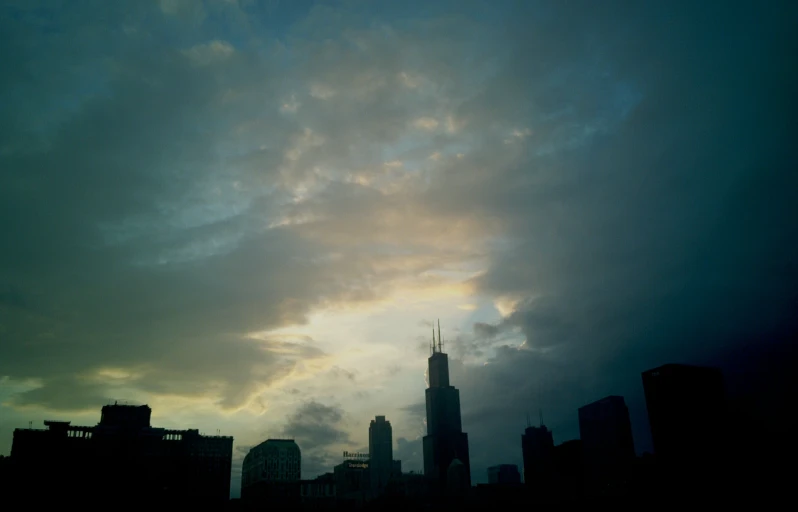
(607, 444)
(445, 443)
(537, 446)
(380, 453)
(686, 411)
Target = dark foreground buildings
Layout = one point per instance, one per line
(608, 450)
(446, 459)
(270, 475)
(504, 474)
(122, 459)
(687, 413)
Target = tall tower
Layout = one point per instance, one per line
(380, 453)
(537, 447)
(445, 443)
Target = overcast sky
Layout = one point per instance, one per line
(247, 214)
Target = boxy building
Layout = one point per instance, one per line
(122, 456)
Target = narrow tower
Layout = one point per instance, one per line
(380, 453)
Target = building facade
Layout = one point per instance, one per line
(607, 445)
(122, 452)
(271, 473)
(381, 463)
(445, 441)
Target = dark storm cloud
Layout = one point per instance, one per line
(668, 235)
(316, 425)
(64, 393)
(317, 428)
(416, 411)
(484, 330)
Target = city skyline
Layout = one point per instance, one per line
(249, 214)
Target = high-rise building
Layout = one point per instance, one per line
(607, 444)
(271, 473)
(687, 414)
(122, 452)
(445, 444)
(537, 446)
(380, 453)
(504, 474)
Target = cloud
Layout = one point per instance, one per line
(210, 53)
(63, 393)
(615, 180)
(315, 426)
(156, 259)
(318, 429)
(652, 230)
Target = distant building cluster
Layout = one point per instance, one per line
(124, 459)
(686, 411)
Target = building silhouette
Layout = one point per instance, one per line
(607, 445)
(381, 463)
(396, 469)
(504, 474)
(445, 441)
(352, 482)
(537, 447)
(120, 453)
(271, 473)
(567, 476)
(687, 414)
(318, 493)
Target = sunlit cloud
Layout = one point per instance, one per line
(426, 123)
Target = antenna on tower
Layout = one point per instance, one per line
(540, 401)
(440, 347)
(433, 338)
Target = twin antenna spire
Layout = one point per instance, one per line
(439, 348)
(529, 423)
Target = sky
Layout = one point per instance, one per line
(248, 214)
